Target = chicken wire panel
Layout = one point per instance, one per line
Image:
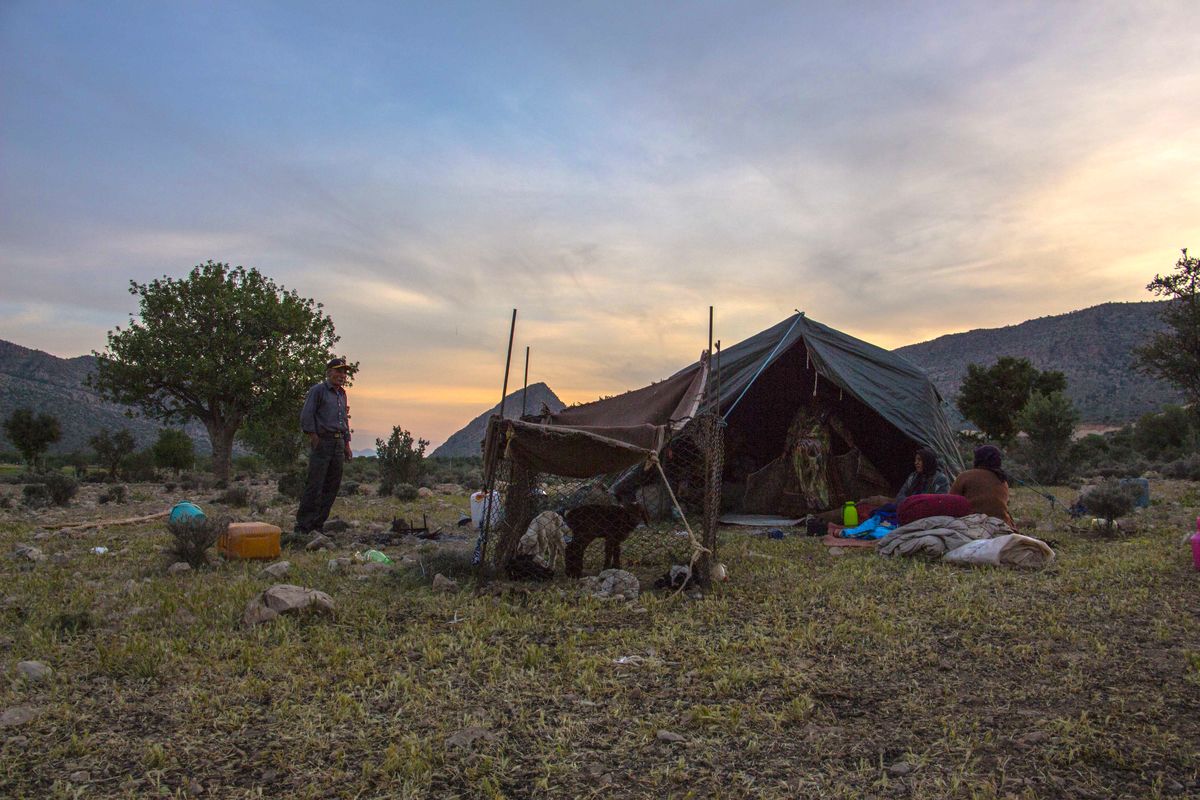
(546, 525)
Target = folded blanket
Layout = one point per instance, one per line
(933, 537)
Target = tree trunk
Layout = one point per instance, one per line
(220, 435)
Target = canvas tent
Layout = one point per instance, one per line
(794, 389)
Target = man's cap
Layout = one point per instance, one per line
(337, 363)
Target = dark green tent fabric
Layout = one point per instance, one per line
(889, 384)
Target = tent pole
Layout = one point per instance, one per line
(508, 362)
(710, 330)
(766, 361)
(525, 387)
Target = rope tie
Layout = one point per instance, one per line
(698, 549)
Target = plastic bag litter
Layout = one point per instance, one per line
(1010, 550)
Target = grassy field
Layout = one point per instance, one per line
(806, 675)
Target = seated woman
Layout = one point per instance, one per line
(926, 478)
(985, 485)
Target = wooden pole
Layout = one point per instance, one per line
(710, 330)
(508, 362)
(525, 387)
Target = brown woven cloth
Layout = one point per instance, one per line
(986, 493)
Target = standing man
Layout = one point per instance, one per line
(325, 419)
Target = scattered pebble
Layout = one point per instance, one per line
(670, 736)
(178, 567)
(277, 570)
(900, 768)
(80, 776)
(18, 715)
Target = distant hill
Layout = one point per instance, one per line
(468, 441)
(53, 385)
(1093, 347)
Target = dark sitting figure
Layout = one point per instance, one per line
(594, 521)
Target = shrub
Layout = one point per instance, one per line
(291, 483)
(400, 459)
(404, 491)
(1184, 469)
(248, 465)
(6, 502)
(139, 466)
(235, 496)
(348, 489)
(62, 487)
(36, 495)
(1111, 500)
(191, 538)
(168, 487)
(174, 450)
(115, 494)
(191, 481)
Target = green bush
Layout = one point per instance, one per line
(139, 467)
(349, 488)
(191, 538)
(235, 497)
(115, 494)
(1111, 500)
(404, 491)
(62, 487)
(400, 459)
(248, 465)
(36, 495)
(291, 482)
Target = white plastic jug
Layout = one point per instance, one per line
(479, 500)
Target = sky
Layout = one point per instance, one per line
(610, 169)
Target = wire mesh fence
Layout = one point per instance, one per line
(657, 520)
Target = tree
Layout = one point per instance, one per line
(31, 434)
(223, 345)
(1167, 435)
(277, 438)
(112, 449)
(174, 449)
(991, 397)
(399, 459)
(1049, 420)
(1174, 354)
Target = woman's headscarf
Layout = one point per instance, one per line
(988, 457)
(929, 468)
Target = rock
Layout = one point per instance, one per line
(467, 737)
(837, 551)
(18, 715)
(130, 586)
(278, 570)
(34, 671)
(1034, 737)
(447, 488)
(372, 568)
(335, 526)
(179, 567)
(612, 584)
(285, 598)
(443, 584)
(17, 741)
(27, 552)
(80, 776)
(424, 491)
(670, 736)
(60, 559)
(900, 768)
(339, 564)
(42, 536)
(319, 542)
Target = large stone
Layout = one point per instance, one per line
(285, 598)
(670, 736)
(319, 542)
(342, 564)
(467, 737)
(612, 584)
(18, 715)
(335, 526)
(179, 567)
(34, 671)
(278, 570)
(443, 584)
(448, 488)
(424, 491)
(27, 552)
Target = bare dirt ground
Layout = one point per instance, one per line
(806, 675)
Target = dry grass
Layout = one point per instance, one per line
(808, 675)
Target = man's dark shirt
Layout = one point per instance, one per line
(326, 410)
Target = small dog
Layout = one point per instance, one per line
(593, 521)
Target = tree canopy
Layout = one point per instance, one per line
(1174, 354)
(992, 397)
(32, 434)
(222, 345)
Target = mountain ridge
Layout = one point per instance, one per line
(468, 441)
